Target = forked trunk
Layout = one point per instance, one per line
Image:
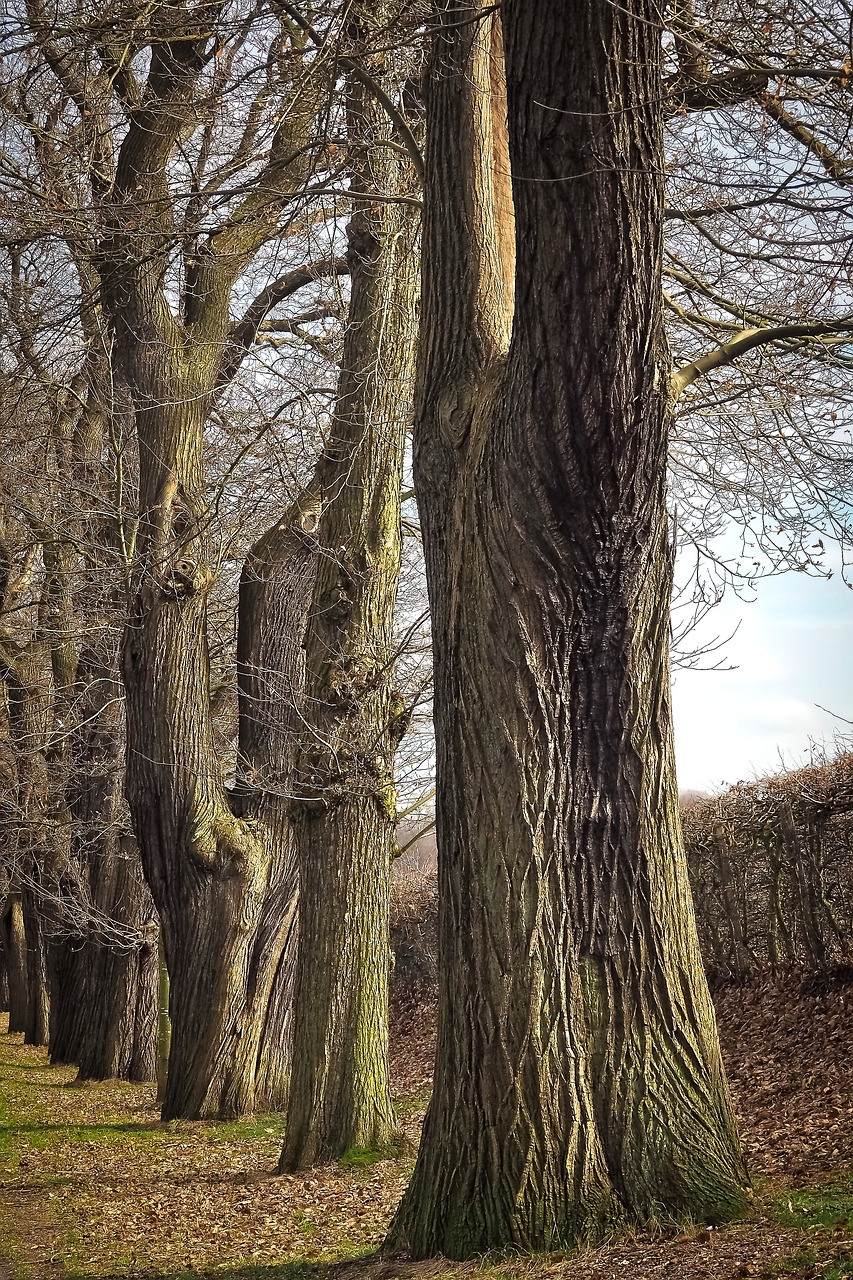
(578, 1079)
(220, 865)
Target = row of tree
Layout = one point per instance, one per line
(201, 542)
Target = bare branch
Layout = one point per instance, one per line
(748, 340)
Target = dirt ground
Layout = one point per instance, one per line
(92, 1185)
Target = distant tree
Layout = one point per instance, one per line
(68, 849)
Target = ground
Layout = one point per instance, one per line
(92, 1185)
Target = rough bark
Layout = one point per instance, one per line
(121, 981)
(220, 866)
(578, 1077)
(345, 808)
(29, 712)
(222, 883)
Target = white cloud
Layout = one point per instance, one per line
(793, 651)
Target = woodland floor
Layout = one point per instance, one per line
(93, 1185)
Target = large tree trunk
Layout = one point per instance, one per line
(220, 866)
(346, 811)
(221, 869)
(578, 1078)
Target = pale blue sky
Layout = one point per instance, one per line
(793, 651)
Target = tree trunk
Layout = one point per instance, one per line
(37, 1019)
(69, 1013)
(164, 1022)
(578, 1078)
(121, 979)
(29, 709)
(346, 811)
(15, 952)
(221, 868)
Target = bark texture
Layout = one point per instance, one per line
(220, 866)
(353, 716)
(578, 1078)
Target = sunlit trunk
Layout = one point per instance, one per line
(578, 1078)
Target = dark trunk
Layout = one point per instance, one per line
(120, 975)
(69, 1012)
(15, 954)
(37, 1018)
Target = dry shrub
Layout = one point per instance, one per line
(414, 920)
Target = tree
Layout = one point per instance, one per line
(578, 1077)
(192, 214)
(157, 212)
(354, 716)
(757, 105)
(72, 856)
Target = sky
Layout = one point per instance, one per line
(792, 654)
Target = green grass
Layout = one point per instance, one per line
(824, 1212)
(823, 1206)
(367, 1157)
(810, 1262)
(253, 1130)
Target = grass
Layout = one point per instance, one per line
(824, 1213)
(822, 1207)
(94, 1187)
(366, 1157)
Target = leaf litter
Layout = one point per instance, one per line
(93, 1185)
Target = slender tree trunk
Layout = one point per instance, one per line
(346, 811)
(37, 1021)
(15, 952)
(578, 1077)
(29, 709)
